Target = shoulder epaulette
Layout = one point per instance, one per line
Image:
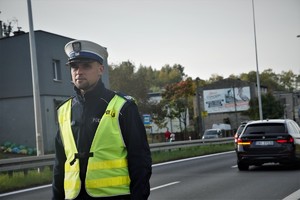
(126, 97)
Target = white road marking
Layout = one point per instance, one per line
(25, 190)
(165, 185)
(293, 196)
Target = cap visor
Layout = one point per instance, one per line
(81, 60)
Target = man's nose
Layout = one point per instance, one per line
(79, 69)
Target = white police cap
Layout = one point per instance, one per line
(83, 50)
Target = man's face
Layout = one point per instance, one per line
(85, 75)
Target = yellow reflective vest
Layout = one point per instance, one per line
(107, 170)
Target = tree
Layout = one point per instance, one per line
(251, 76)
(177, 98)
(232, 76)
(271, 108)
(168, 75)
(269, 79)
(159, 113)
(215, 78)
(123, 78)
(287, 79)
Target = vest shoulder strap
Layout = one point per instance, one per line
(62, 103)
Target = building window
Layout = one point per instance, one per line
(56, 70)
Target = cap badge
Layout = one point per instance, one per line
(76, 46)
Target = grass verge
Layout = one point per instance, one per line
(19, 180)
(36, 178)
(175, 154)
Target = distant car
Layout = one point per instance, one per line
(238, 132)
(269, 141)
(212, 133)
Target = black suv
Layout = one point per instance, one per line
(268, 141)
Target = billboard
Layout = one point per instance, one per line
(226, 99)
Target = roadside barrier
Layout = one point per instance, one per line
(39, 162)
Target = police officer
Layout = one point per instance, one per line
(101, 146)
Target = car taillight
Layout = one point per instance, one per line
(243, 142)
(235, 138)
(289, 140)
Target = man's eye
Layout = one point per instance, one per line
(74, 65)
(86, 65)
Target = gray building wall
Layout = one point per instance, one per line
(291, 103)
(17, 123)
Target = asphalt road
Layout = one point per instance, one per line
(209, 177)
(217, 177)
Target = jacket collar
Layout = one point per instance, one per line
(97, 91)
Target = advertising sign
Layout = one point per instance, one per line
(226, 99)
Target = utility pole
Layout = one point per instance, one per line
(35, 85)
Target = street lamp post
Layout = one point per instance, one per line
(257, 71)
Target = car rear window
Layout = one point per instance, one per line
(240, 129)
(268, 128)
(211, 133)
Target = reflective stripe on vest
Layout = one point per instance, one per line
(107, 171)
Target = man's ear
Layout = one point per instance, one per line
(101, 69)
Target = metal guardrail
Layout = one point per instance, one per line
(188, 143)
(31, 162)
(24, 163)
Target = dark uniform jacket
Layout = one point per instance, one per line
(87, 111)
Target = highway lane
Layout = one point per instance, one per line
(208, 177)
(217, 177)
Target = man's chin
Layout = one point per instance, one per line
(82, 86)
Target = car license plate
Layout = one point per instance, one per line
(264, 143)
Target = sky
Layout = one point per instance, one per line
(206, 37)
